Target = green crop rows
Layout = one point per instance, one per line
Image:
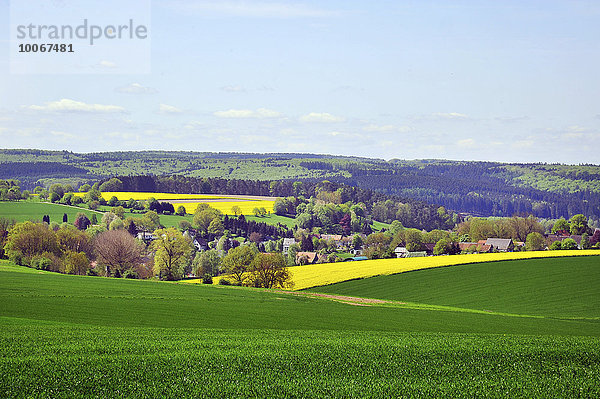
(553, 287)
(71, 336)
(81, 361)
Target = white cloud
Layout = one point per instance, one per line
(523, 144)
(62, 135)
(250, 9)
(194, 125)
(233, 89)
(440, 116)
(261, 113)
(466, 143)
(321, 118)
(135, 88)
(67, 105)
(386, 128)
(450, 115)
(107, 64)
(168, 109)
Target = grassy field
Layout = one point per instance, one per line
(273, 219)
(555, 287)
(330, 273)
(30, 210)
(74, 336)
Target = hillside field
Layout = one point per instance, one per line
(330, 273)
(21, 211)
(75, 336)
(554, 287)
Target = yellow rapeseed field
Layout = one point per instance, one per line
(224, 203)
(246, 206)
(141, 196)
(329, 273)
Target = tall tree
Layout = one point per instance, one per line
(117, 251)
(535, 242)
(579, 224)
(171, 253)
(237, 262)
(269, 271)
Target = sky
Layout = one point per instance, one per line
(510, 81)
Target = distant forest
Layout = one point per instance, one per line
(478, 188)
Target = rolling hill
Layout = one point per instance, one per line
(480, 188)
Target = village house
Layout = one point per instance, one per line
(287, 243)
(500, 244)
(400, 252)
(337, 239)
(561, 236)
(467, 246)
(307, 258)
(146, 236)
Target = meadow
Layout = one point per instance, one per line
(29, 210)
(76, 336)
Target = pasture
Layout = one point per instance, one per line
(21, 211)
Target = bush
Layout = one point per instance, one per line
(131, 274)
(207, 279)
(92, 272)
(555, 245)
(15, 257)
(41, 263)
(224, 281)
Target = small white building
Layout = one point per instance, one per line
(287, 243)
(401, 252)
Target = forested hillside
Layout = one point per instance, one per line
(480, 188)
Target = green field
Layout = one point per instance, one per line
(273, 219)
(75, 336)
(554, 287)
(32, 210)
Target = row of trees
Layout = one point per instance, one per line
(10, 190)
(116, 253)
(245, 266)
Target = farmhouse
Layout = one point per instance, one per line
(287, 243)
(501, 244)
(306, 258)
(466, 246)
(561, 237)
(400, 252)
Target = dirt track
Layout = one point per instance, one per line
(349, 300)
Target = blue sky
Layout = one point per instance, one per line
(507, 81)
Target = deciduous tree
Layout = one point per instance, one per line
(118, 251)
(269, 271)
(237, 262)
(535, 242)
(171, 253)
